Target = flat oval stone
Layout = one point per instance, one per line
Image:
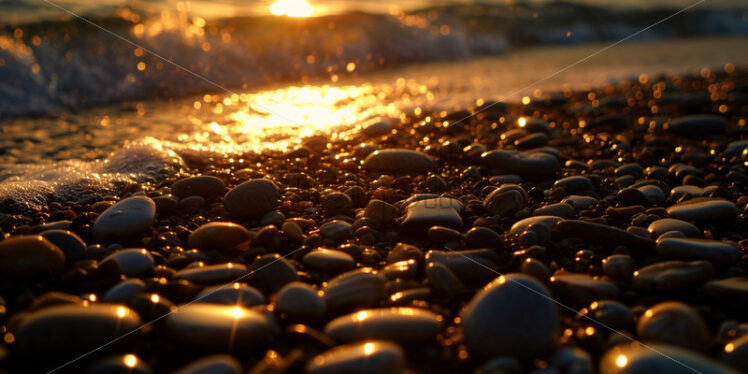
(603, 235)
(123, 291)
(127, 218)
(582, 289)
(399, 160)
(213, 274)
(522, 225)
(697, 125)
(271, 272)
(218, 327)
(221, 236)
(48, 331)
(252, 198)
(328, 260)
(336, 229)
(402, 325)
(71, 245)
(664, 225)
(703, 209)
(133, 262)
(24, 256)
(421, 215)
(377, 129)
(357, 288)
(574, 183)
(206, 186)
(717, 252)
(530, 165)
(671, 276)
(512, 316)
(472, 267)
(634, 358)
(300, 300)
(580, 202)
(372, 357)
(504, 202)
(674, 323)
(729, 290)
(215, 364)
(558, 209)
(236, 294)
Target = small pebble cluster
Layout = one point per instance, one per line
(598, 231)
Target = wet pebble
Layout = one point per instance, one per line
(531, 165)
(399, 160)
(703, 209)
(633, 358)
(213, 274)
(357, 288)
(127, 218)
(328, 260)
(25, 256)
(514, 316)
(218, 327)
(421, 215)
(582, 289)
(133, 262)
(301, 301)
(402, 325)
(671, 276)
(371, 357)
(71, 244)
(214, 364)
(674, 323)
(234, 294)
(664, 225)
(207, 187)
(252, 198)
(717, 252)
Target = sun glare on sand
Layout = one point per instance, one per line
(291, 8)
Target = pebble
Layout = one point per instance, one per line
(522, 225)
(218, 327)
(71, 245)
(697, 125)
(671, 276)
(421, 215)
(403, 325)
(530, 165)
(729, 290)
(619, 267)
(300, 301)
(504, 202)
(563, 210)
(125, 219)
(473, 267)
(47, 331)
(206, 186)
(399, 161)
(132, 262)
(703, 209)
(717, 252)
(582, 289)
(329, 260)
(441, 280)
(362, 287)
(381, 212)
(214, 364)
(370, 357)
(252, 198)
(129, 364)
(609, 313)
(213, 274)
(580, 202)
(483, 237)
(664, 225)
(271, 272)
(25, 256)
(336, 230)
(236, 294)
(574, 183)
(633, 358)
(514, 315)
(603, 235)
(123, 291)
(377, 129)
(674, 323)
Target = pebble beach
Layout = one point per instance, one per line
(585, 231)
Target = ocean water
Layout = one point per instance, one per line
(83, 113)
(75, 155)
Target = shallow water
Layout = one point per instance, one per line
(67, 154)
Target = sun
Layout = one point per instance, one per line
(292, 8)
